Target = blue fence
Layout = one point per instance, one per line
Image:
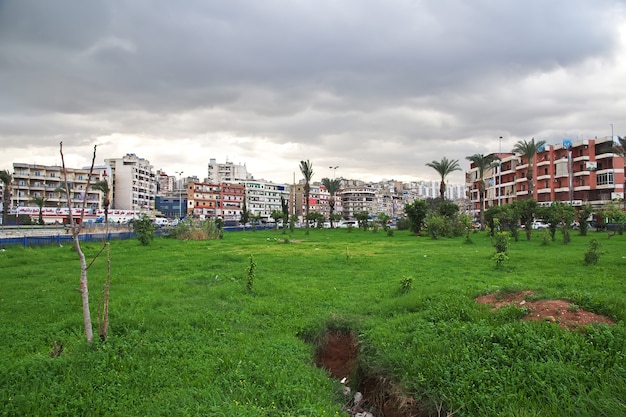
(61, 239)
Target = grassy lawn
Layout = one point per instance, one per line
(188, 339)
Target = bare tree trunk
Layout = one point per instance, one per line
(76, 228)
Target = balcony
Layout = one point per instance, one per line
(543, 163)
(544, 177)
(561, 190)
(581, 158)
(543, 190)
(605, 155)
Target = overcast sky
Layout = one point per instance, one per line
(376, 87)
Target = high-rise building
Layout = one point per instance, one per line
(134, 183)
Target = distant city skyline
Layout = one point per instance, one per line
(378, 89)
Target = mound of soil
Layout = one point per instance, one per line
(562, 312)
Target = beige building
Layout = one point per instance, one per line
(134, 183)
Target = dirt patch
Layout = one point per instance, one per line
(338, 354)
(562, 312)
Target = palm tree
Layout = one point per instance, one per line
(444, 168)
(6, 178)
(482, 162)
(621, 151)
(621, 148)
(40, 202)
(105, 188)
(332, 186)
(528, 149)
(307, 171)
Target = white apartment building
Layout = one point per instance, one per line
(263, 197)
(134, 183)
(226, 172)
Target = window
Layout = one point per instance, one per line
(52, 175)
(605, 179)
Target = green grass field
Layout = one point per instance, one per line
(188, 339)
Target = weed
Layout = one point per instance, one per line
(250, 273)
(406, 284)
(573, 308)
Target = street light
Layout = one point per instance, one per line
(334, 170)
(612, 137)
(499, 170)
(180, 199)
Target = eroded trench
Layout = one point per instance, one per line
(337, 352)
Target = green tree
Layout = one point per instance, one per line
(144, 229)
(444, 168)
(550, 216)
(527, 212)
(40, 202)
(566, 215)
(332, 186)
(528, 149)
(620, 149)
(483, 163)
(6, 178)
(362, 217)
(285, 209)
(383, 220)
(306, 168)
(582, 215)
(316, 217)
(276, 215)
(416, 213)
(104, 187)
(245, 214)
(448, 209)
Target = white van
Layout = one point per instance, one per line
(161, 221)
(348, 223)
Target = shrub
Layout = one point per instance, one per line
(500, 257)
(501, 242)
(144, 228)
(592, 256)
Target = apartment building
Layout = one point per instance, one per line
(134, 183)
(48, 182)
(206, 200)
(357, 197)
(319, 200)
(575, 172)
(226, 172)
(263, 197)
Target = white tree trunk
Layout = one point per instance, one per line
(84, 290)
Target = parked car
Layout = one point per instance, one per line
(539, 225)
(348, 223)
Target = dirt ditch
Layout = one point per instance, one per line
(374, 396)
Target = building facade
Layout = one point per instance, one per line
(218, 173)
(207, 200)
(134, 183)
(574, 172)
